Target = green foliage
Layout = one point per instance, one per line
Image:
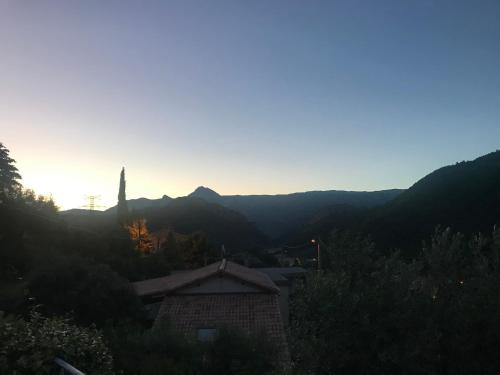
(197, 251)
(234, 352)
(9, 175)
(372, 314)
(161, 350)
(93, 293)
(30, 346)
(141, 351)
(463, 278)
(154, 265)
(13, 296)
(172, 252)
(37, 204)
(26, 222)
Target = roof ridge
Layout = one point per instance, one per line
(265, 281)
(170, 283)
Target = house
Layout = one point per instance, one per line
(286, 278)
(289, 256)
(223, 294)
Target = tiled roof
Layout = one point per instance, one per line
(250, 313)
(282, 275)
(171, 283)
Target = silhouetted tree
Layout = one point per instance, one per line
(197, 251)
(366, 313)
(92, 292)
(122, 208)
(9, 174)
(172, 251)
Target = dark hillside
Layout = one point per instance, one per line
(221, 225)
(464, 196)
(142, 203)
(279, 215)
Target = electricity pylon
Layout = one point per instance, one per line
(91, 206)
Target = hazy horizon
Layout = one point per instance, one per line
(244, 97)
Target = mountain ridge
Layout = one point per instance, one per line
(464, 196)
(278, 214)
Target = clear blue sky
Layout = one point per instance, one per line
(245, 96)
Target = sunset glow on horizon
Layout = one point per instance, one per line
(243, 97)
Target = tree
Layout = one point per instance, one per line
(139, 234)
(236, 352)
(93, 293)
(353, 317)
(30, 346)
(372, 314)
(197, 251)
(171, 250)
(122, 208)
(9, 174)
(161, 350)
(462, 278)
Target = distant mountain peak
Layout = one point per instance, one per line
(205, 193)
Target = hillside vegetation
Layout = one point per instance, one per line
(464, 196)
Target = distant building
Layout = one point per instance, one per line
(223, 294)
(286, 278)
(289, 256)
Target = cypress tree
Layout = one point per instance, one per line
(122, 208)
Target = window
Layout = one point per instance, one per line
(206, 334)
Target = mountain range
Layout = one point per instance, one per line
(276, 216)
(239, 220)
(279, 215)
(464, 196)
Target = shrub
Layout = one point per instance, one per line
(93, 293)
(234, 352)
(158, 351)
(141, 351)
(30, 346)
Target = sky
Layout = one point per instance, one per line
(245, 97)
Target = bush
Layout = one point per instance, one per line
(157, 351)
(30, 346)
(93, 293)
(370, 314)
(234, 352)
